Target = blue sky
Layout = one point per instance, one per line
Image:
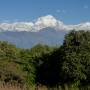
(69, 11)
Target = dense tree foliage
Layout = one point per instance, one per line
(76, 65)
(68, 64)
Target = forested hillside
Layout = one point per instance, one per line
(68, 64)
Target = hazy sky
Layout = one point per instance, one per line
(69, 11)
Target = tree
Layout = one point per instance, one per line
(76, 49)
(49, 70)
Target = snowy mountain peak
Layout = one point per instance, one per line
(48, 21)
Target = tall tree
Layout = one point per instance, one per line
(76, 49)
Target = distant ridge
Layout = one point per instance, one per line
(26, 39)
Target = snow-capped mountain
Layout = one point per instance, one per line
(41, 23)
(46, 30)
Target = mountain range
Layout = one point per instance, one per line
(26, 39)
(45, 30)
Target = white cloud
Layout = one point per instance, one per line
(40, 23)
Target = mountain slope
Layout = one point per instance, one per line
(25, 39)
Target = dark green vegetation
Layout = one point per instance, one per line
(68, 64)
